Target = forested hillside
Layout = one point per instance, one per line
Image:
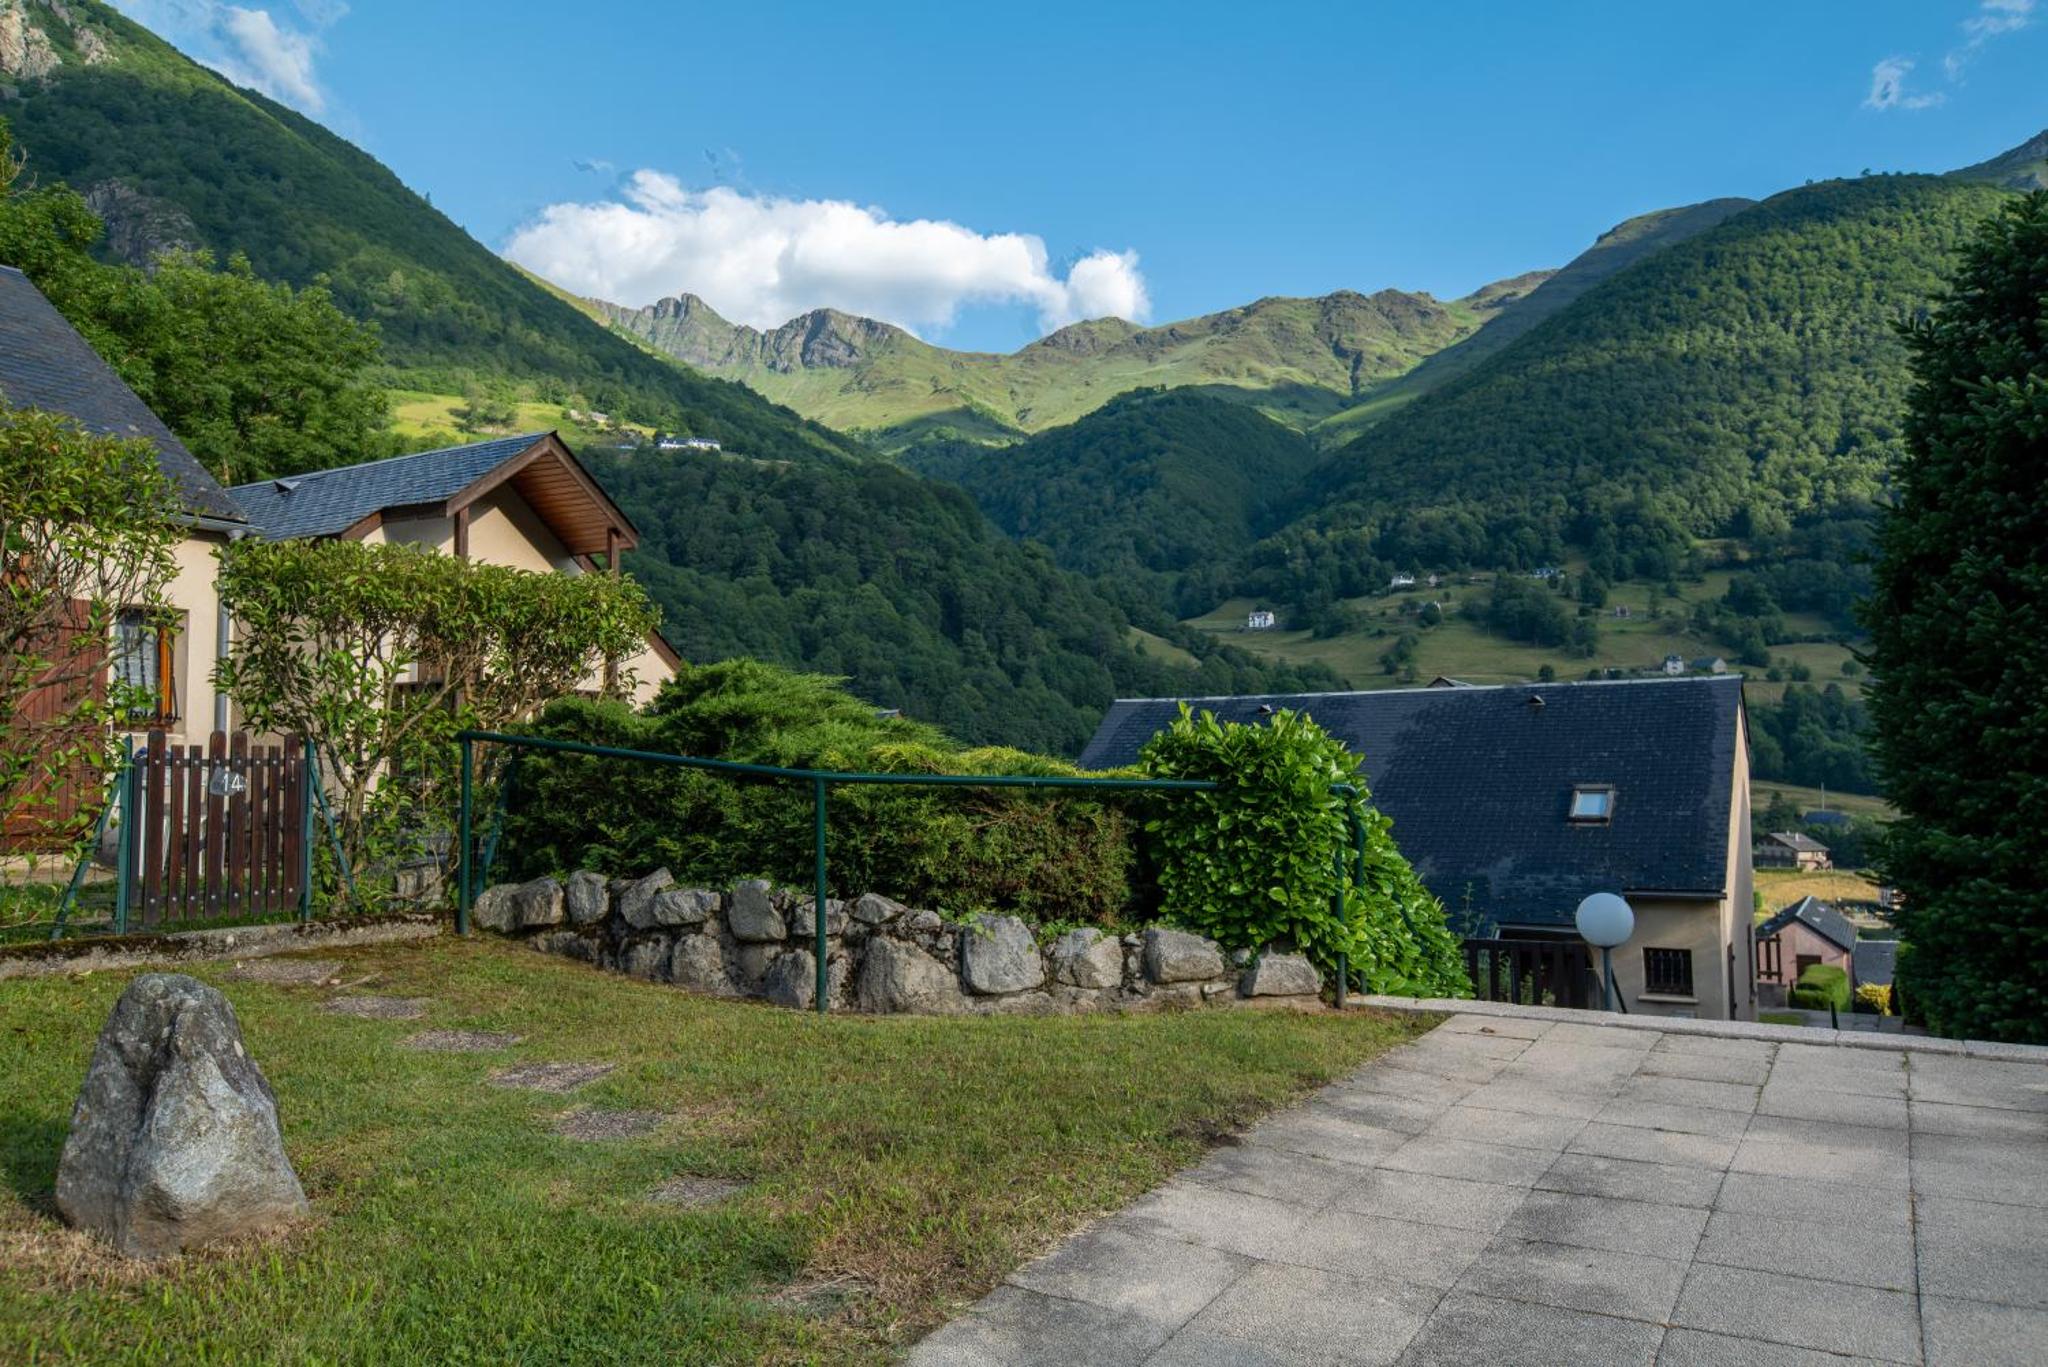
(172, 155)
(1733, 384)
(901, 585)
(1155, 491)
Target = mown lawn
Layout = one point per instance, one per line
(897, 1167)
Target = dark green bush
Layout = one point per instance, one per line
(1042, 856)
(1259, 861)
(1820, 986)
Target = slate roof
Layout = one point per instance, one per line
(329, 502)
(1818, 917)
(1798, 840)
(1875, 961)
(45, 364)
(1478, 782)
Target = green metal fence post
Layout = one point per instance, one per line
(311, 777)
(818, 799)
(124, 853)
(462, 842)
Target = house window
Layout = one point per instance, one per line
(145, 667)
(1667, 972)
(1592, 803)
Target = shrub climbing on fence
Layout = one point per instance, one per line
(1259, 861)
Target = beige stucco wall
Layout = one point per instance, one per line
(192, 594)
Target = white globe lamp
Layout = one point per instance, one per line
(1606, 921)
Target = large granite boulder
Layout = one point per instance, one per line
(1000, 956)
(793, 980)
(1088, 958)
(1174, 956)
(752, 914)
(898, 977)
(686, 907)
(539, 903)
(496, 908)
(587, 898)
(634, 898)
(699, 964)
(174, 1139)
(1282, 975)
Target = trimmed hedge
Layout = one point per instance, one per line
(1820, 986)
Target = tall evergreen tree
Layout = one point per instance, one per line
(1959, 620)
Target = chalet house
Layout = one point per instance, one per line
(1259, 619)
(1401, 581)
(1674, 664)
(1514, 802)
(520, 501)
(1806, 933)
(1792, 850)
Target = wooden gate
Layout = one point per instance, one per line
(221, 830)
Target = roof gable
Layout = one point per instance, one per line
(1818, 917)
(46, 364)
(537, 464)
(1478, 782)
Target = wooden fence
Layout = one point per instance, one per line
(221, 830)
(1533, 973)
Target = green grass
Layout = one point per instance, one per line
(920, 1159)
(417, 413)
(1780, 1018)
(1810, 799)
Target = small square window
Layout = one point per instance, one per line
(1667, 972)
(1592, 802)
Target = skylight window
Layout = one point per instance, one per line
(1592, 803)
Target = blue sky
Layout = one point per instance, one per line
(981, 172)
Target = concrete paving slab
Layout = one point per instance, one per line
(1591, 1279)
(1380, 1250)
(1227, 1220)
(1976, 1122)
(1654, 1146)
(1983, 1335)
(1877, 1253)
(1199, 1348)
(2007, 1171)
(1659, 1115)
(1425, 1198)
(1692, 1348)
(1735, 1071)
(1516, 1129)
(1629, 1180)
(1159, 1279)
(1792, 1198)
(1837, 1138)
(1401, 1114)
(1822, 1077)
(1707, 1046)
(1012, 1327)
(1298, 1178)
(1321, 1133)
(1982, 1251)
(1319, 1315)
(1801, 1312)
(1653, 1089)
(1519, 1094)
(1475, 1162)
(1492, 1025)
(1469, 1329)
(1839, 1108)
(1604, 1222)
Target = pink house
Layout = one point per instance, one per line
(1806, 933)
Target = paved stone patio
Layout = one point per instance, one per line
(1512, 1189)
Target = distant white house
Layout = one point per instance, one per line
(1674, 664)
(1401, 581)
(1545, 572)
(1259, 619)
(1710, 664)
(666, 442)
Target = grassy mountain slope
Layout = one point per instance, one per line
(171, 154)
(1731, 383)
(1146, 488)
(1620, 246)
(2023, 168)
(1297, 358)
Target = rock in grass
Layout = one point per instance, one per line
(634, 899)
(1088, 958)
(539, 903)
(1282, 975)
(899, 977)
(174, 1140)
(497, 908)
(1000, 956)
(1174, 956)
(752, 914)
(587, 898)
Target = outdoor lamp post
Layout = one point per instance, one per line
(1606, 920)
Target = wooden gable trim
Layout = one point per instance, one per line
(362, 526)
(550, 446)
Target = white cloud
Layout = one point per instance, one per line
(1888, 87)
(762, 260)
(1992, 19)
(248, 46)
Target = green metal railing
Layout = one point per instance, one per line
(820, 782)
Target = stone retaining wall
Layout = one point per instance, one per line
(758, 941)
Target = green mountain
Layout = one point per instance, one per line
(2023, 168)
(1148, 488)
(1620, 246)
(1733, 384)
(1299, 359)
(170, 154)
